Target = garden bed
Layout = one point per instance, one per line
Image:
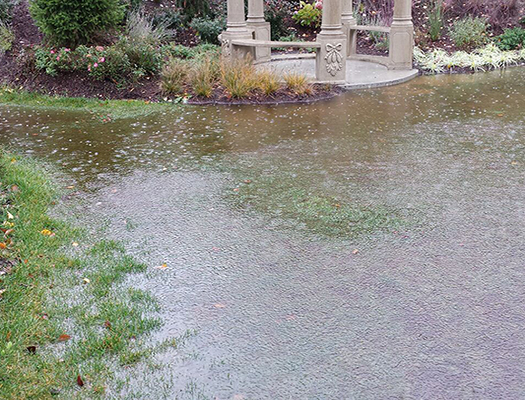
(22, 66)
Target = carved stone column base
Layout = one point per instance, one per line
(231, 52)
(330, 66)
(401, 45)
(261, 31)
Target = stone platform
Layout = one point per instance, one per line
(359, 74)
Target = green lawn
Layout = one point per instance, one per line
(66, 321)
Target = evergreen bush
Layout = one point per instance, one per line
(75, 22)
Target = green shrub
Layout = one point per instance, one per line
(511, 39)
(174, 76)
(194, 8)
(469, 32)
(201, 51)
(209, 30)
(103, 62)
(435, 20)
(171, 19)
(145, 58)
(98, 62)
(6, 37)
(74, 22)
(308, 15)
(6, 9)
(277, 13)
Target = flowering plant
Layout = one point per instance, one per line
(309, 14)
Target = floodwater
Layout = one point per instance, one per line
(369, 247)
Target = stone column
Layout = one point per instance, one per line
(260, 28)
(349, 23)
(402, 36)
(331, 57)
(236, 28)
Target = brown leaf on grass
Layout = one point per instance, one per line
(31, 349)
(80, 382)
(14, 188)
(64, 338)
(3, 246)
(8, 232)
(107, 325)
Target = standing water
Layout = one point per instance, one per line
(369, 247)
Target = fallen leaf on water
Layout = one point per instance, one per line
(355, 251)
(64, 337)
(163, 266)
(219, 305)
(80, 382)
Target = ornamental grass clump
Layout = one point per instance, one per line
(174, 77)
(298, 84)
(238, 77)
(268, 82)
(204, 77)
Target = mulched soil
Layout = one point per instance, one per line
(219, 97)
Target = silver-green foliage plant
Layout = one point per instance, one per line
(486, 58)
(141, 29)
(469, 32)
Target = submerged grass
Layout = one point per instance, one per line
(106, 109)
(66, 321)
(282, 197)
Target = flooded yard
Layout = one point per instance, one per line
(367, 247)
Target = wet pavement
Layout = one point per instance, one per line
(240, 203)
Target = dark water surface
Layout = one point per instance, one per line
(283, 306)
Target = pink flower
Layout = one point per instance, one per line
(52, 51)
(99, 48)
(95, 65)
(67, 50)
(89, 67)
(101, 59)
(58, 58)
(319, 5)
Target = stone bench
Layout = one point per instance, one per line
(273, 43)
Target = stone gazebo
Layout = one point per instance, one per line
(335, 45)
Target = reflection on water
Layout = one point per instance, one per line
(282, 312)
